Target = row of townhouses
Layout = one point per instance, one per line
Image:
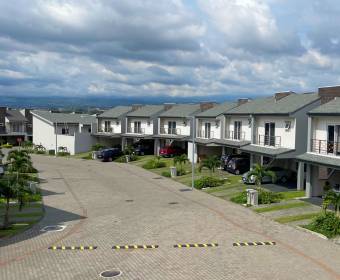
(299, 132)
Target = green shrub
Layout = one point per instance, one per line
(88, 156)
(208, 182)
(153, 164)
(40, 149)
(327, 224)
(181, 172)
(123, 158)
(51, 152)
(63, 154)
(97, 147)
(240, 198)
(166, 174)
(7, 146)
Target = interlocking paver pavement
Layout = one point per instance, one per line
(90, 197)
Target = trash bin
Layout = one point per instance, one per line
(173, 171)
(252, 197)
(94, 155)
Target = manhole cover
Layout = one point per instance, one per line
(185, 190)
(110, 273)
(129, 200)
(157, 178)
(172, 203)
(53, 228)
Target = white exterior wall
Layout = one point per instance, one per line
(246, 128)
(117, 128)
(320, 126)
(43, 134)
(67, 141)
(148, 129)
(183, 125)
(215, 130)
(287, 136)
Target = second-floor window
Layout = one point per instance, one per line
(237, 130)
(269, 134)
(65, 131)
(207, 130)
(171, 127)
(137, 127)
(107, 126)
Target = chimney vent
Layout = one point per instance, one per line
(241, 101)
(135, 107)
(279, 95)
(168, 106)
(329, 93)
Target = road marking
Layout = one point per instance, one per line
(81, 248)
(129, 247)
(195, 245)
(257, 243)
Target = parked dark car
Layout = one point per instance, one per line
(109, 154)
(282, 175)
(238, 165)
(170, 151)
(143, 149)
(226, 158)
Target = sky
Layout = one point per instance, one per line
(175, 48)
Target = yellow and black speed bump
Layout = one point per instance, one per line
(196, 245)
(259, 243)
(131, 247)
(81, 248)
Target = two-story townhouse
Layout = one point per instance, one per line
(15, 125)
(110, 126)
(174, 125)
(55, 130)
(322, 159)
(210, 126)
(141, 125)
(275, 126)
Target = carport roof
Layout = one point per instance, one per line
(266, 151)
(116, 112)
(317, 159)
(231, 143)
(107, 135)
(217, 110)
(169, 136)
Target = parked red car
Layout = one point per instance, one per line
(170, 151)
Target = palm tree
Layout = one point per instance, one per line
(258, 173)
(8, 190)
(182, 159)
(19, 161)
(332, 198)
(211, 163)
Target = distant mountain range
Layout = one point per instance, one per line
(99, 101)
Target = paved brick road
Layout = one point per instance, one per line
(91, 199)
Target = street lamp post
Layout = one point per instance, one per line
(193, 153)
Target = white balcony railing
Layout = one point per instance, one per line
(238, 136)
(205, 134)
(170, 131)
(266, 140)
(325, 147)
(135, 130)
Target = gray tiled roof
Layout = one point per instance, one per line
(320, 159)
(217, 110)
(65, 118)
(147, 111)
(115, 112)
(265, 150)
(15, 116)
(286, 105)
(181, 110)
(329, 108)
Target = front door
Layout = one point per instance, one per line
(269, 137)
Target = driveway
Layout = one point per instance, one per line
(110, 204)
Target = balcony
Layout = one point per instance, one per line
(135, 130)
(205, 134)
(325, 147)
(240, 136)
(170, 131)
(107, 130)
(272, 141)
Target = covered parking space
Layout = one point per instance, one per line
(108, 139)
(319, 170)
(163, 140)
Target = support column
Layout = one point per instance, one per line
(300, 176)
(123, 143)
(309, 183)
(156, 147)
(253, 130)
(252, 161)
(223, 150)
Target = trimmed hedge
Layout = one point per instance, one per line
(208, 182)
(327, 224)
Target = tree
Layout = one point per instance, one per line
(1, 155)
(8, 191)
(19, 161)
(332, 198)
(182, 159)
(210, 163)
(258, 173)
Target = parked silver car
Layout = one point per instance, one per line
(282, 175)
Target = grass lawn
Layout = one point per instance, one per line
(15, 229)
(289, 219)
(86, 155)
(281, 207)
(292, 194)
